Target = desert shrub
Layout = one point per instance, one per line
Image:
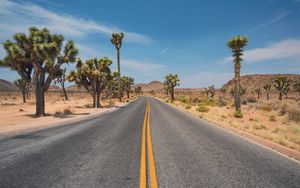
(294, 114)
(202, 109)
(221, 103)
(272, 118)
(244, 102)
(266, 107)
(188, 107)
(58, 114)
(283, 109)
(259, 127)
(67, 111)
(238, 114)
(251, 100)
(195, 100)
(21, 110)
(293, 130)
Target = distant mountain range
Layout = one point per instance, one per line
(255, 81)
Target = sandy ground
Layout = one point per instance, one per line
(17, 117)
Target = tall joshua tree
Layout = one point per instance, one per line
(24, 87)
(281, 83)
(37, 58)
(93, 75)
(61, 79)
(116, 40)
(267, 87)
(171, 81)
(236, 44)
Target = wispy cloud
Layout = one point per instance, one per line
(285, 49)
(164, 50)
(141, 66)
(276, 17)
(18, 16)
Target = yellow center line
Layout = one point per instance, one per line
(143, 183)
(153, 179)
(146, 134)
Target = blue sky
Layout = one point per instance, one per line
(184, 37)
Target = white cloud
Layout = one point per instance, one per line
(17, 17)
(141, 66)
(204, 79)
(285, 49)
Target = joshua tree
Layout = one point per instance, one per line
(93, 75)
(297, 87)
(138, 90)
(258, 92)
(286, 90)
(127, 82)
(171, 81)
(116, 40)
(237, 44)
(223, 91)
(267, 87)
(61, 79)
(206, 92)
(212, 90)
(37, 58)
(111, 89)
(24, 87)
(281, 83)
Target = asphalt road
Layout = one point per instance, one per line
(106, 152)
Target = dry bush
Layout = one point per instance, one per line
(272, 118)
(238, 114)
(188, 107)
(202, 109)
(294, 114)
(266, 107)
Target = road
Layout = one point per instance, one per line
(114, 150)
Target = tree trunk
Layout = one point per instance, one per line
(280, 96)
(267, 95)
(40, 102)
(119, 75)
(39, 93)
(24, 97)
(98, 100)
(65, 92)
(128, 95)
(237, 87)
(172, 94)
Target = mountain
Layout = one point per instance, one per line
(7, 86)
(255, 81)
(151, 86)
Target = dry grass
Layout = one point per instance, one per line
(274, 120)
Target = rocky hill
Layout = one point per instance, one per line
(7, 86)
(151, 86)
(254, 81)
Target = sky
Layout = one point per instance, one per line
(187, 38)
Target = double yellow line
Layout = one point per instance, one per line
(146, 141)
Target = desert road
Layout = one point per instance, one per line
(143, 144)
